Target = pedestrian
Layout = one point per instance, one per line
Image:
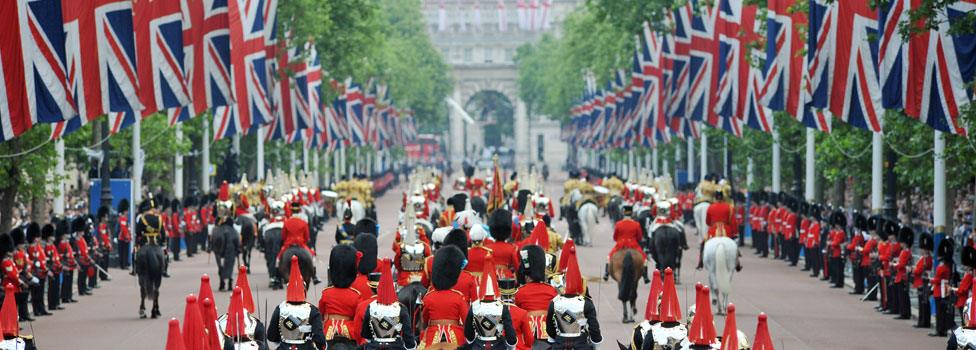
(920, 280)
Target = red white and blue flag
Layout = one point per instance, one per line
(248, 71)
(354, 113)
(206, 40)
(855, 94)
(680, 57)
(703, 67)
(784, 57)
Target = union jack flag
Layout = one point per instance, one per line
(855, 94)
(313, 75)
(680, 61)
(206, 36)
(336, 123)
(735, 26)
(784, 60)
(354, 113)
(248, 71)
(33, 78)
(817, 72)
(704, 69)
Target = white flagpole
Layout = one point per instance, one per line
(260, 151)
(305, 164)
(877, 162)
(178, 165)
(691, 160)
(704, 156)
(205, 158)
(811, 162)
(137, 160)
(59, 173)
(777, 184)
(939, 207)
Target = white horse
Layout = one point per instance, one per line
(701, 211)
(587, 219)
(357, 208)
(720, 259)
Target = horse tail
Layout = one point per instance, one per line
(722, 269)
(627, 286)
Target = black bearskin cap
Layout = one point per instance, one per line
(17, 235)
(805, 209)
(33, 231)
(925, 242)
(772, 198)
(47, 231)
(367, 225)
(533, 264)
(448, 262)
(366, 244)
(514, 176)
(500, 224)
(458, 238)
(946, 249)
(890, 227)
(968, 256)
(468, 171)
(876, 223)
(906, 235)
(6, 244)
(61, 228)
(174, 204)
(103, 212)
(860, 221)
(458, 201)
(838, 218)
(342, 266)
(123, 205)
(79, 224)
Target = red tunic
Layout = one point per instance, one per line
(124, 234)
(836, 241)
(11, 274)
(51, 251)
(626, 234)
(105, 237)
(69, 256)
(943, 274)
(444, 312)
(922, 266)
(468, 286)
(505, 257)
(22, 260)
(338, 307)
(789, 224)
(37, 254)
(361, 285)
(522, 325)
(478, 256)
(856, 242)
(812, 236)
(719, 216)
(772, 221)
(535, 298)
(295, 233)
(869, 247)
(174, 225)
(901, 269)
(406, 277)
(962, 293)
(244, 208)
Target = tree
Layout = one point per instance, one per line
(26, 165)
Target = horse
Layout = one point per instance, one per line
(701, 210)
(305, 263)
(625, 267)
(615, 208)
(271, 243)
(667, 244)
(355, 206)
(225, 244)
(249, 233)
(588, 221)
(148, 264)
(720, 259)
(410, 296)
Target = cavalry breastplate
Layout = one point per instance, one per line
(384, 321)
(568, 314)
(412, 257)
(488, 319)
(965, 337)
(16, 343)
(670, 337)
(294, 322)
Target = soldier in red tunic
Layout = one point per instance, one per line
(11, 273)
(940, 288)
(721, 223)
(920, 280)
(520, 318)
(968, 260)
(54, 267)
(68, 261)
(383, 320)
(812, 251)
(295, 233)
(103, 238)
(836, 239)
(125, 235)
(627, 234)
(869, 257)
(479, 255)
(366, 264)
(854, 250)
(467, 284)
(535, 294)
(338, 302)
(444, 308)
(38, 269)
(504, 253)
(571, 320)
(906, 236)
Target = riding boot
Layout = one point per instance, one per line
(701, 252)
(606, 272)
(646, 279)
(222, 287)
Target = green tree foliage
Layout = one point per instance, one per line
(26, 171)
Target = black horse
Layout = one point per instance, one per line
(148, 264)
(249, 235)
(271, 245)
(225, 244)
(615, 209)
(668, 243)
(305, 263)
(410, 296)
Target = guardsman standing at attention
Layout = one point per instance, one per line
(23, 262)
(836, 239)
(296, 324)
(905, 238)
(920, 280)
(39, 269)
(53, 266)
(67, 260)
(940, 289)
(968, 257)
(125, 236)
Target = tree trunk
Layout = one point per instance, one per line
(837, 193)
(858, 200)
(819, 192)
(39, 209)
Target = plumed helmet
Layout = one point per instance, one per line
(367, 225)
(147, 204)
(906, 235)
(18, 236)
(925, 241)
(448, 262)
(946, 248)
(79, 224)
(47, 231)
(478, 233)
(103, 212)
(437, 237)
(500, 224)
(6, 244)
(458, 238)
(33, 231)
(968, 256)
(366, 244)
(123, 205)
(342, 266)
(533, 264)
(838, 218)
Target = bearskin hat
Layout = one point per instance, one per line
(366, 244)
(6, 244)
(458, 238)
(458, 201)
(367, 225)
(123, 205)
(533, 264)
(174, 204)
(468, 170)
(925, 241)
(772, 198)
(18, 236)
(887, 227)
(448, 262)
(946, 249)
(805, 209)
(860, 221)
(61, 228)
(33, 231)
(500, 224)
(522, 198)
(103, 212)
(906, 235)
(838, 218)
(342, 266)
(47, 231)
(968, 256)
(79, 224)
(876, 223)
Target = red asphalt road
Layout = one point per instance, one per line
(803, 313)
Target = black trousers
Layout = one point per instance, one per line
(124, 252)
(764, 243)
(795, 251)
(37, 297)
(103, 262)
(924, 307)
(872, 278)
(191, 246)
(21, 298)
(53, 291)
(944, 311)
(93, 278)
(67, 282)
(836, 271)
(174, 247)
(858, 273)
(82, 279)
(904, 301)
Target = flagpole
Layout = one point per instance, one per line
(205, 157)
(369, 163)
(750, 177)
(654, 161)
(811, 162)
(725, 156)
(777, 182)
(293, 159)
(305, 159)
(630, 164)
(178, 165)
(877, 146)
(317, 171)
(335, 167)
(691, 161)
(939, 207)
(59, 178)
(137, 160)
(677, 159)
(260, 151)
(703, 162)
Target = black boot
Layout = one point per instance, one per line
(646, 279)
(221, 285)
(606, 272)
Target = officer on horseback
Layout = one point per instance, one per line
(295, 323)
(346, 232)
(721, 223)
(226, 241)
(627, 234)
(410, 254)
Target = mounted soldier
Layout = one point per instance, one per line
(382, 326)
(225, 239)
(296, 324)
(489, 322)
(150, 260)
(571, 321)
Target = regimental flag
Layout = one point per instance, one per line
(704, 68)
(33, 78)
(248, 71)
(206, 36)
(855, 94)
(784, 57)
(680, 57)
(100, 58)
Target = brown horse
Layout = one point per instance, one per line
(625, 267)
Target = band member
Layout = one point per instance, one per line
(295, 323)
(226, 241)
(39, 269)
(535, 294)
(8, 323)
(445, 308)
(905, 238)
(346, 232)
(238, 328)
(488, 324)
(383, 319)
(367, 263)
(125, 236)
(338, 301)
(920, 280)
(54, 267)
(571, 321)
(479, 255)
(940, 288)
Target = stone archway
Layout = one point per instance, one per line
(494, 116)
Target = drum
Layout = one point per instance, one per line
(330, 195)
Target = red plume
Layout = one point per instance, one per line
(296, 284)
(8, 312)
(489, 284)
(245, 289)
(762, 341)
(569, 252)
(574, 280)
(972, 313)
(174, 341)
(206, 293)
(224, 194)
(670, 307)
(730, 335)
(210, 323)
(651, 313)
(385, 292)
(540, 235)
(702, 330)
(236, 316)
(194, 333)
